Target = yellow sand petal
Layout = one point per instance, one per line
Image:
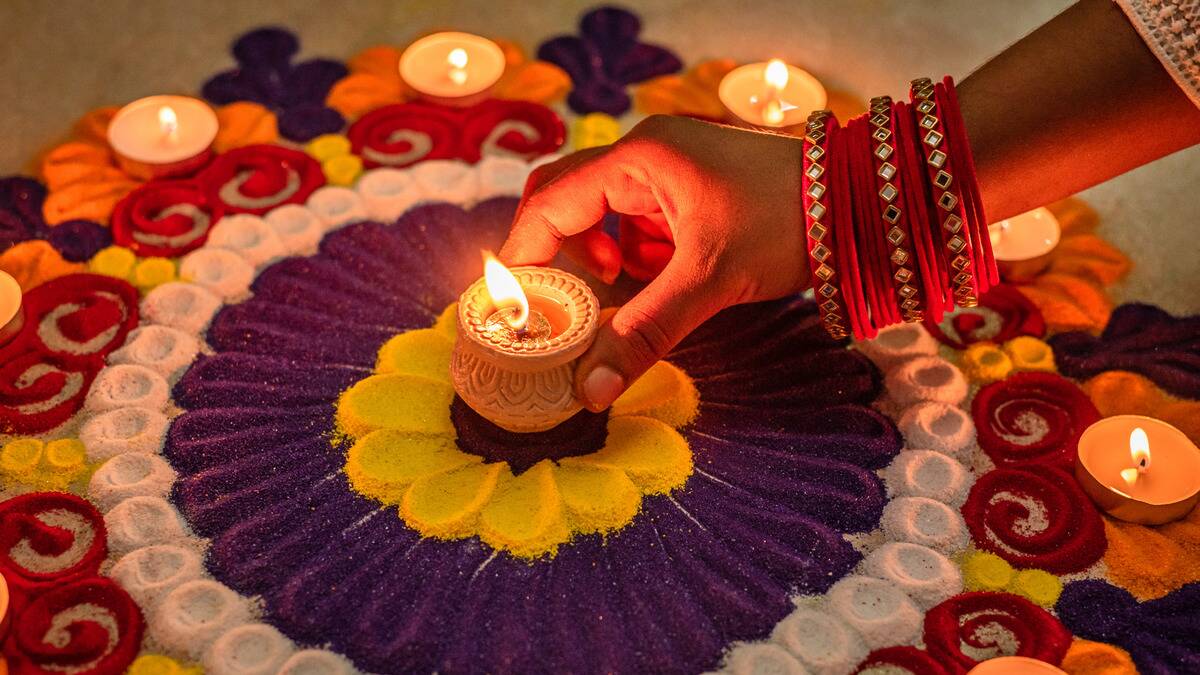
(424, 352)
(525, 516)
(403, 402)
(665, 393)
(447, 323)
(597, 498)
(384, 463)
(447, 505)
(1037, 585)
(654, 456)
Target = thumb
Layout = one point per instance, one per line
(645, 329)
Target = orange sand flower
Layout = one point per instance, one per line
(244, 123)
(1150, 562)
(34, 262)
(82, 176)
(1096, 658)
(1069, 283)
(1118, 392)
(374, 81)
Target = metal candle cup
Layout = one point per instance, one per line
(451, 68)
(523, 380)
(12, 313)
(747, 93)
(1015, 665)
(1168, 490)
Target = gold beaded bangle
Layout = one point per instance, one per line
(889, 192)
(946, 197)
(814, 195)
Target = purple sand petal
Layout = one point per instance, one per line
(743, 601)
(23, 197)
(573, 55)
(840, 495)
(281, 536)
(268, 46)
(215, 499)
(683, 636)
(310, 81)
(600, 96)
(201, 438)
(229, 378)
(497, 620)
(259, 328)
(1139, 338)
(79, 240)
(343, 570)
(375, 251)
(850, 433)
(611, 28)
(303, 122)
(642, 62)
(254, 85)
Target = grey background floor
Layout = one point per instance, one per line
(61, 58)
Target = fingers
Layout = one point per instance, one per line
(567, 203)
(646, 328)
(597, 252)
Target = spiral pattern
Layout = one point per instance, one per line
(406, 133)
(1035, 517)
(901, 659)
(1003, 313)
(974, 627)
(257, 178)
(86, 627)
(1032, 418)
(165, 218)
(47, 538)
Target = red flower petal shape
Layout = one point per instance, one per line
(48, 539)
(516, 128)
(87, 627)
(1000, 623)
(257, 178)
(1032, 417)
(904, 659)
(37, 393)
(1035, 517)
(1003, 314)
(165, 218)
(78, 319)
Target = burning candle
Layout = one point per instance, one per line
(12, 317)
(771, 94)
(1015, 665)
(452, 68)
(163, 136)
(1139, 469)
(1029, 235)
(520, 332)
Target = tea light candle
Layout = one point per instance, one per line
(452, 68)
(520, 332)
(1029, 235)
(163, 136)
(771, 94)
(1015, 665)
(12, 316)
(4, 620)
(1139, 469)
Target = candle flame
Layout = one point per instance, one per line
(457, 58)
(1139, 449)
(505, 291)
(776, 75)
(168, 121)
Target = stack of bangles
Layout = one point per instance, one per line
(894, 222)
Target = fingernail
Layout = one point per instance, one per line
(601, 387)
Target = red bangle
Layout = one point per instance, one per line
(887, 312)
(948, 202)
(989, 274)
(847, 243)
(860, 186)
(925, 243)
(891, 196)
(817, 232)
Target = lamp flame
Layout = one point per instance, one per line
(505, 291)
(457, 58)
(776, 75)
(168, 121)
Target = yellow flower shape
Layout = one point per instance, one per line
(405, 454)
(43, 466)
(157, 664)
(594, 130)
(144, 273)
(1030, 353)
(984, 362)
(989, 572)
(340, 165)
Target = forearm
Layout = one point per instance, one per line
(1076, 102)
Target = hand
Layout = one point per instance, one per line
(729, 198)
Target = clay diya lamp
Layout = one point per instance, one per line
(1139, 469)
(520, 333)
